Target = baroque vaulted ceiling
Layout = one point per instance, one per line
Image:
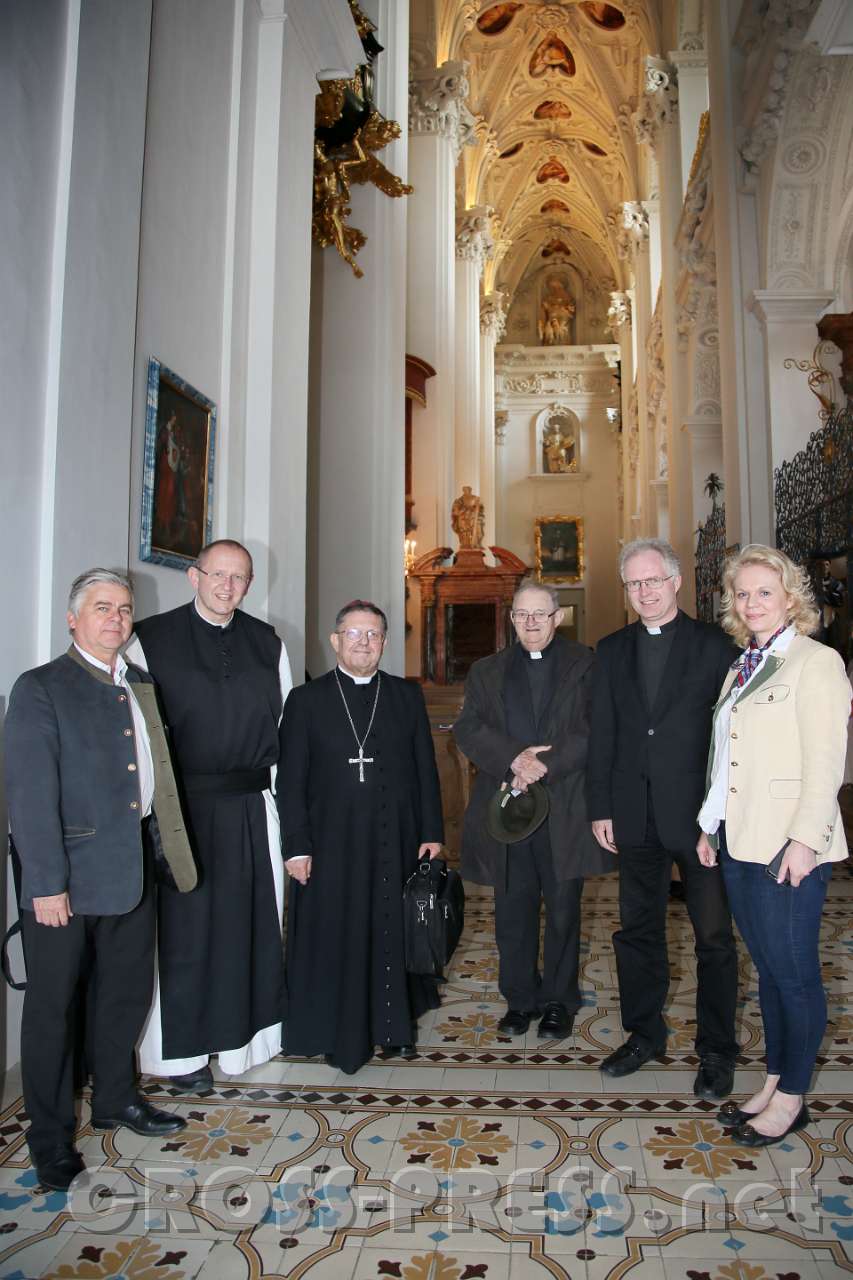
(554, 86)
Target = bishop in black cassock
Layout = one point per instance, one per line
(360, 804)
(223, 677)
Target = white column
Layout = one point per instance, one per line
(692, 70)
(743, 390)
(473, 243)
(492, 324)
(621, 326)
(790, 321)
(704, 440)
(439, 125)
(357, 427)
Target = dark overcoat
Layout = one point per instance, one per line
(635, 748)
(482, 736)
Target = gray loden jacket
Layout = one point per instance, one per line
(73, 787)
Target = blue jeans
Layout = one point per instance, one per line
(781, 926)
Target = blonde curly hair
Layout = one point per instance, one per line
(803, 615)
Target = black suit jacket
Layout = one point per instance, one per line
(634, 747)
(481, 732)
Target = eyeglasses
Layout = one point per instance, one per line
(220, 576)
(634, 584)
(355, 634)
(538, 615)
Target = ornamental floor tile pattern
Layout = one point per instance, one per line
(487, 1158)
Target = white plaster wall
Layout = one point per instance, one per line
(32, 55)
(591, 494)
(72, 100)
(182, 257)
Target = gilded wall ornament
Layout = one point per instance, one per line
(348, 131)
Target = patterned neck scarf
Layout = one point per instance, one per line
(753, 656)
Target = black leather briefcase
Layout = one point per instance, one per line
(433, 916)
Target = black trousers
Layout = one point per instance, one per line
(642, 962)
(120, 952)
(529, 879)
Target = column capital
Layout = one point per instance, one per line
(619, 311)
(493, 315)
(789, 306)
(659, 101)
(474, 242)
(630, 223)
(437, 104)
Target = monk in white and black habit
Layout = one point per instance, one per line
(223, 678)
(360, 805)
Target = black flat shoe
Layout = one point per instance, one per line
(516, 1021)
(730, 1115)
(194, 1081)
(715, 1078)
(56, 1172)
(556, 1022)
(746, 1136)
(629, 1057)
(142, 1118)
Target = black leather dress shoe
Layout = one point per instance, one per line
(629, 1057)
(516, 1021)
(730, 1115)
(194, 1081)
(715, 1077)
(556, 1022)
(142, 1118)
(746, 1136)
(56, 1172)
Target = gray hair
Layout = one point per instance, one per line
(639, 545)
(533, 584)
(91, 578)
(360, 606)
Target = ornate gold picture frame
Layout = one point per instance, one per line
(559, 548)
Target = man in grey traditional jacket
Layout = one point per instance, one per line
(91, 798)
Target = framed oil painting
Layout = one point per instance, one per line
(177, 479)
(559, 548)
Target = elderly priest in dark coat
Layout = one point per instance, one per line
(525, 719)
(91, 797)
(359, 804)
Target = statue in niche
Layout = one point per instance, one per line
(555, 313)
(558, 451)
(467, 518)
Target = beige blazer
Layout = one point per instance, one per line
(786, 760)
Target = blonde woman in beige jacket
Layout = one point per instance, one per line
(771, 816)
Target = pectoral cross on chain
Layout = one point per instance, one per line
(361, 760)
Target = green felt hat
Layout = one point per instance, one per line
(514, 815)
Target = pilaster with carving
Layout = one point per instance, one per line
(474, 240)
(493, 315)
(438, 106)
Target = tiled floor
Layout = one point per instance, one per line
(487, 1157)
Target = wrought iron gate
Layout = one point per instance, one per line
(710, 557)
(814, 494)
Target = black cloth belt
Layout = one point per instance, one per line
(242, 782)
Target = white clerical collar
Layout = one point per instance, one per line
(535, 654)
(355, 679)
(116, 673)
(208, 621)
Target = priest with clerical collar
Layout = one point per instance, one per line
(361, 804)
(655, 686)
(223, 677)
(525, 719)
